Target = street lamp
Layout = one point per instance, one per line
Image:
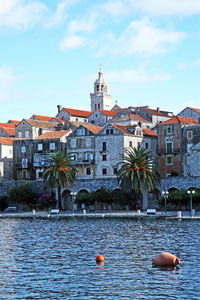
(190, 193)
(73, 194)
(165, 195)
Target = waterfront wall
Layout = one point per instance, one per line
(179, 183)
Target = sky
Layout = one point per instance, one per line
(51, 52)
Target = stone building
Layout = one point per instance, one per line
(6, 158)
(190, 112)
(100, 99)
(110, 144)
(30, 155)
(31, 129)
(81, 146)
(128, 118)
(69, 114)
(169, 145)
(100, 117)
(7, 132)
(191, 150)
(155, 116)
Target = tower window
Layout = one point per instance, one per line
(97, 88)
(102, 88)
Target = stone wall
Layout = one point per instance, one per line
(179, 183)
(37, 185)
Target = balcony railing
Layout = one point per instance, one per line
(85, 162)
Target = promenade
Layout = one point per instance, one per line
(99, 214)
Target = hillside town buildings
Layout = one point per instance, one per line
(97, 139)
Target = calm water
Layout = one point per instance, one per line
(55, 259)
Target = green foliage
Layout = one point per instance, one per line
(22, 194)
(3, 203)
(60, 171)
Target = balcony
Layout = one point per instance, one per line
(85, 162)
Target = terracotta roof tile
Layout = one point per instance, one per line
(122, 128)
(77, 112)
(41, 124)
(179, 119)
(110, 113)
(155, 112)
(92, 128)
(42, 118)
(8, 130)
(150, 132)
(53, 135)
(15, 122)
(7, 141)
(138, 118)
(7, 125)
(197, 110)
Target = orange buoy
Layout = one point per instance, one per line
(99, 258)
(166, 259)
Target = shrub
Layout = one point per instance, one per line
(3, 203)
(22, 194)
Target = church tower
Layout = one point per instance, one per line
(100, 99)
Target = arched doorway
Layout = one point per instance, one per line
(66, 200)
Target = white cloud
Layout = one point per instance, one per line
(61, 13)
(166, 7)
(72, 42)
(144, 38)
(17, 14)
(195, 63)
(115, 8)
(136, 76)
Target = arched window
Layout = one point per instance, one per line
(102, 87)
(97, 87)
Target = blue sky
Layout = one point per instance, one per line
(50, 52)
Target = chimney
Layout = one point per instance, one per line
(158, 109)
(59, 107)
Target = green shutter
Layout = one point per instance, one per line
(169, 147)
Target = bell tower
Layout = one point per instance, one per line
(100, 99)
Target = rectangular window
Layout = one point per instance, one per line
(23, 149)
(169, 160)
(130, 144)
(169, 147)
(26, 133)
(107, 131)
(138, 144)
(104, 146)
(24, 163)
(111, 131)
(40, 147)
(146, 145)
(52, 146)
(104, 157)
(19, 134)
(88, 142)
(24, 174)
(73, 143)
(189, 135)
(114, 171)
(88, 171)
(169, 129)
(104, 171)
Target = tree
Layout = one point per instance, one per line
(137, 172)
(60, 170)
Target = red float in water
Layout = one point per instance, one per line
(99, 258)
(166, 259)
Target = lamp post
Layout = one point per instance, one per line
(73, 194)
(190, 193)
(165, 195)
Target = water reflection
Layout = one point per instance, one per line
(55, 259)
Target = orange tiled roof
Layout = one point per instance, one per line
(15, 122)
(7, 141)
(41, 124)
(92, 128)
(179, 119)
(53, 135)
(7, 125)
(58, 119)
(43, 118)
(110, 113)
(150, 132)
(122, 128)
(8, 130)
(137, 118)
(195, 109)
(155, 112)
(77, 112)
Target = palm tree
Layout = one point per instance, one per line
(60, 170)
(137, 172)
